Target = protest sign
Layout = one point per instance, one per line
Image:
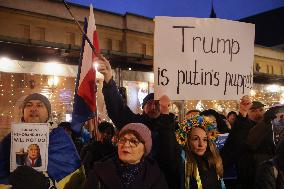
(203, 58)
(29, 145)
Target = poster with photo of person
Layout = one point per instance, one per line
(29, 145)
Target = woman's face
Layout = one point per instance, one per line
(197, 141)
(130, 149)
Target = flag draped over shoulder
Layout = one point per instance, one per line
(64, 163)
(84, 107)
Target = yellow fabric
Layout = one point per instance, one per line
(3, 186)
(197, 178)
(75, 180)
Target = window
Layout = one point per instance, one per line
(120, 45)
(143, 49)
(25, 31)
(272, 71)
(109, 44)
(70, 38)
(267, 69)
(257, 67)
(152, 50)
(40, 33)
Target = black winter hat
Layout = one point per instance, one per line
(150, 96)
(256, 104)
(24, 177)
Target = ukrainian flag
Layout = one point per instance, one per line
(64, 163)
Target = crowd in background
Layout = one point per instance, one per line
(153, 150)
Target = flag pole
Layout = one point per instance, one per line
(79, 26)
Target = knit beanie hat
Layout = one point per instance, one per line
(26, 177)
(37, 96)
(150, 96)
(144, 133)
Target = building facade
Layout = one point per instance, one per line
(36, 33)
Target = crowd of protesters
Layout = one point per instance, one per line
(152, 151)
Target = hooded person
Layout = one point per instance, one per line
(63, 159)
(131, 167)
(155, 116)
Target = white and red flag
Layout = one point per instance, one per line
(85, 106)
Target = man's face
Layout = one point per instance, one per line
(256, 114)
(152, 108)
(35, 112)
(33, 152)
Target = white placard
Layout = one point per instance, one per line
(29, 145)
(203, 58)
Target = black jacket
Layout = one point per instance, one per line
(235, 143)
(95, 151)
(235, 152)
(268, 178)
(165, 148)
(104, 175)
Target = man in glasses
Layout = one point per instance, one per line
(155, 115)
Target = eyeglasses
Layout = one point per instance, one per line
(132, 142)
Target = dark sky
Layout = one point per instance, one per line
(228, 9)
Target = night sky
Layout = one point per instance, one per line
(228, 9)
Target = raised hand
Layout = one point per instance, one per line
(245, 105)
(164, 104)
(104, 68)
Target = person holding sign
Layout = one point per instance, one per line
(155, 115)
(203, 166)
(64, 166)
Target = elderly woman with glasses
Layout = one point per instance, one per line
(131, 168)
(203, 164)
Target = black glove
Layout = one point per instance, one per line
(26, 177)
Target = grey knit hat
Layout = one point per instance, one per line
(37, 96)
(144, 133)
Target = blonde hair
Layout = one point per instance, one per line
(212, 156)
(33, 145)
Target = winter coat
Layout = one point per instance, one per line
(206, 175)
(105, 176)
(235, 152)
(95, 151)
(268, 176)
(165, 149)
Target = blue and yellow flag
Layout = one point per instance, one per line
(64, 163)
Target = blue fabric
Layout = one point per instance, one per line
(63, 157)
(86, 136)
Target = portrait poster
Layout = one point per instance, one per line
(29, 145)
